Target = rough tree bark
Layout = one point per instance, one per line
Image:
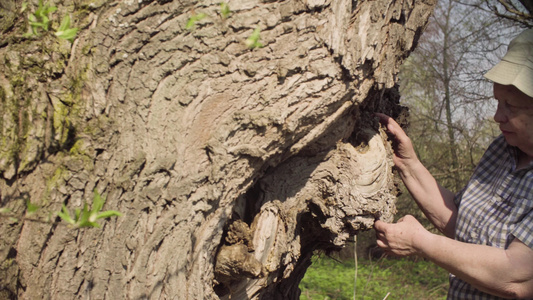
(231, 165)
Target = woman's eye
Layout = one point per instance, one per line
(512, 107)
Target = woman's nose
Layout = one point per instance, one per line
(500, 116)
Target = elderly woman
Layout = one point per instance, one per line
(488, 226)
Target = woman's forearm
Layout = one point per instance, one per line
(504, 273)
(434, 200)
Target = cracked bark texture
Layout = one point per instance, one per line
(230, 165)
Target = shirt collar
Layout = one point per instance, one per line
(514, 152)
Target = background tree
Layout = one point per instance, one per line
(235, 139)
(518, 12)
(443, 84)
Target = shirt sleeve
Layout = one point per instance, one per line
(487, 161)
(524, 230)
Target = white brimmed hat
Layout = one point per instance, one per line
(516, 67)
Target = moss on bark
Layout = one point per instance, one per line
(36, 79)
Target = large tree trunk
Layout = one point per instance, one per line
(231, 165)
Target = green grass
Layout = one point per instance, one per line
(397, 278)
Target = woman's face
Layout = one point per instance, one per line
(515, 117)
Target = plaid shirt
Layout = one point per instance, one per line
(494, 208)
